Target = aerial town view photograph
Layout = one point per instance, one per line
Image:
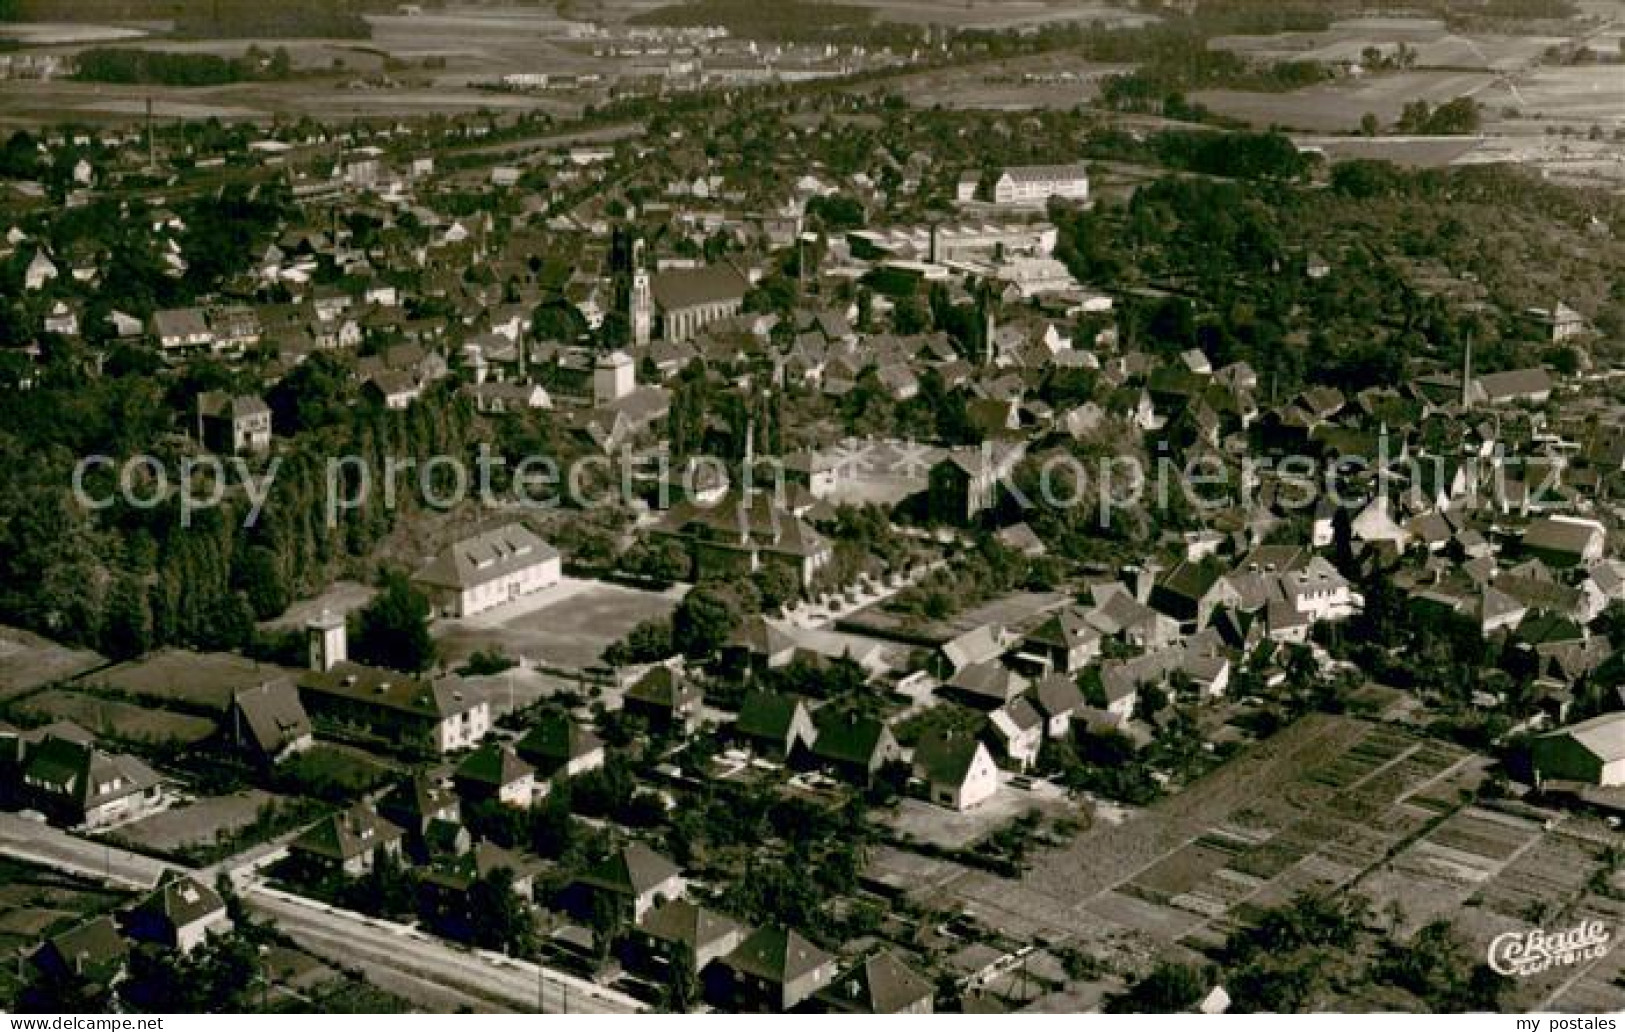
(661, 507)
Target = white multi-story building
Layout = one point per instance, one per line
(1036, 184)
(489, 569)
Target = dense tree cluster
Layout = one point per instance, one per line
(133, 66)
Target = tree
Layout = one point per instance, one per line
(1170, 988)
(393, 630)
(703, 622)
(500, 918)
(259, 575)
(1370, 125)
(127, 632)
(681, 987)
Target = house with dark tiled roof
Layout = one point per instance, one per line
(1018, 728)
(489, 569)
(1067, 641)
(678, 928)
(90, 954)
(772, 970)
(495, 773)
(347, 841)
(557, 746)
(230, 424)
(986, 685)
(774, 724)
(665, 699)
(449, 878)
(758, 645)
(1057, 699)
(427, 811)
(1591, 752)
(67, 777)
(268, 722)
(853, 745)
(631, 881)
(956, 769)
(879, 984)
(180, 914)
(1565, 541)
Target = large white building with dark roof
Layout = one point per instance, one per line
(1036, 184)
(484, 571)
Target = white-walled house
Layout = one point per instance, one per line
(484, 571)
(957, 770)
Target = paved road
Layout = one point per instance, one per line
(427, 970)
(52, 847)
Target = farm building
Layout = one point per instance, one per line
(1592, 751)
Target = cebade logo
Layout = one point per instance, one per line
(1529, 953)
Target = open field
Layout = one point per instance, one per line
(194, 680)
(925, 822)
(1339, 106)
(28, 661)
(978, 14)
(1004, 14)
(25, 103)
(1587, 95)
(1313, 805)
(118, 721)
(196, 824)
(1435, 45)
(567, 627)
(1057, 81)
(1332, 803)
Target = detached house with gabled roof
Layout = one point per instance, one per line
(489, 569)
(853, 745)
(1591, 752)
(231, 425)
(878, 984)
(1019, 729)
(178, 329)
(494, 772)
(957, 770)
(665, 699)
(269, 723)
(89, 954)
(774, 724)
(773, 970)
(633, 880)
(557, 746)
(347, 841)
(679, 927)
(180, 914)
(425, 810)
(68, 778)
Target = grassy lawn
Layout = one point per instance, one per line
(118, 721)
